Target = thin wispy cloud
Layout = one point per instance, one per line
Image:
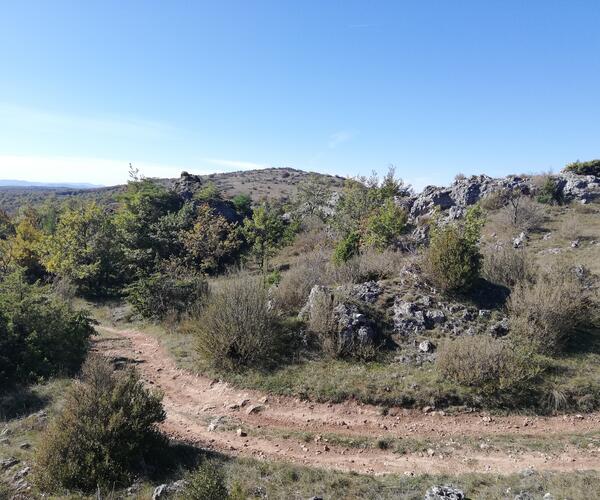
(340, 137)
(106, 124)
(236, 164)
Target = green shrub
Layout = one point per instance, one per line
(453, 260)
(237, 327)
(103, 434)
(385, 225)
(165, 293)
(40, 335)
(242, 204)
(206, 483)
(549, 191)
(591, 167)
(346, 248)
(489, 364)
(548, 312)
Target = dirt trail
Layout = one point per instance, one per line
(192, 402)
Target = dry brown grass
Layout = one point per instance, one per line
(520, 214)
(507, 266)
(547, 313)
(484, 362)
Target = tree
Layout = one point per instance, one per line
(313, 197)
(267, 231)
(142, 207)
(211, 242)
(83, 249)
(385, 225)
(27, 246)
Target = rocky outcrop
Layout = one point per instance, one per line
(467, 191)
(353, 327)
(413, 317)
(444, 493)
(187, 185)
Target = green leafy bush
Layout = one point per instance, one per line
(385, 225)
(237, 327)
(206, 483)
(591, 167)
(40, 335)
(83, 250)
(453, 259)
(103, 434)
(346, 248)
(549, 191)
(167, 292)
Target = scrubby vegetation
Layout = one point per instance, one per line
(591, 167)
(361, 293)
(103, 434)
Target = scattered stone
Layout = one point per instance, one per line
(547, 236)
(426, 346)
(254, 409)
(444, 493)
(501, 328)
(575, 244)
(524, 495)
(22, 473)
(241, 433)
(215, 424)
(548, 496)
(520, 240)
(9, 462)
(428, 409)
(25, 446)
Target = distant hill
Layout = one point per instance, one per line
(72, 185)
(269, 184)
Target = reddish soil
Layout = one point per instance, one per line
(192, 402)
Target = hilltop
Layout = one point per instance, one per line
(270, 184)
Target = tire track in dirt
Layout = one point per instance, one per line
(191, 401)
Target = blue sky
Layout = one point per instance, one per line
(344, 87)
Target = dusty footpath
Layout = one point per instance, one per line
(214, 415)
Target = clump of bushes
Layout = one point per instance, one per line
(206, 483)
(547, 313)
(453, 259)
(40, 334)
(549, 191)
(489, 364)
(237, 327)
(346, 248)
(520, 213)
(507, 266)
(103, 434)
(166, 293)
(591, 167)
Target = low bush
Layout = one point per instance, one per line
(521, 213)
(40, 334)
(591, 167)
(492, 365)
(507, 266)
(548, 312)
(346, 248)
(548, 191)
(103, 434)
(164, 294)
(311, 269)
(237, 327)
(206, 483)
(453, 259)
